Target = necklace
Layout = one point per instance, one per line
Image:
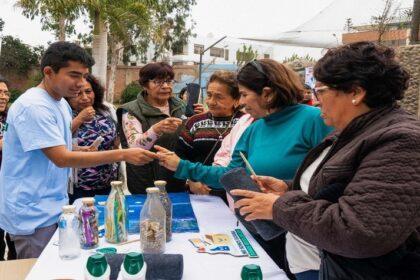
(220, 138)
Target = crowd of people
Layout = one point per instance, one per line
(341, 181)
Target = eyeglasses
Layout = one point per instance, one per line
(161, 82)
(5, 93)
(319, 91)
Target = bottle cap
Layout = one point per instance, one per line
(69, 208)
(153, 190)
(88, 200)
(116, 184)
(251, 272)
(160, 183)
(133, 263)
(96, 265)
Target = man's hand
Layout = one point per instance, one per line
(167, 159)
(255, 205)
(138, 156)
(269, 184)
(168, 125)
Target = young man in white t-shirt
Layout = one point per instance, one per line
(37, 154)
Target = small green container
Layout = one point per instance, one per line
(251, 272)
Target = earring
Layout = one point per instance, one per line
(354, 101)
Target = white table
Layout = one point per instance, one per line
(213, 217)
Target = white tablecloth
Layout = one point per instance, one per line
(213, 217)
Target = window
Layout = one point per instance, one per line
(217, 52)
(226, 54)
(198, 48)
(181, 50)
(266, 55)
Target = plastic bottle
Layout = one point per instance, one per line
(116, 215)
(97, 268)
(251, 272)
(133, 267)
(152, 224)
(89, 237)
(167, 205)
(68, 232)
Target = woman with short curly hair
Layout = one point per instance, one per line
(355, 199)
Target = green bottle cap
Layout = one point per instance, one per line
(96, 265)
(251, 272)
(133, 263)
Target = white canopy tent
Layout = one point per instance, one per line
(324, 30)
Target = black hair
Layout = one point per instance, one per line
(228, 79)
(367, 65)
(151, 71)
(59, 54)
(285, 83)
(99, 91)
(4, 80)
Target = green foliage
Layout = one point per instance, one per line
(1, 24)
(34, 79)
(295, 57)
(17, 57)
(14, 94)
(245, 55)
(130, 92)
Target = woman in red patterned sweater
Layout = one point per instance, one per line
(203, 133)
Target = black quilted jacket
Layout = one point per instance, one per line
(364, 198)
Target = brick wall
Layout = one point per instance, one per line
(410, 59)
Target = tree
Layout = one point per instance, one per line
(245, 55)
(415, 22)
(381, 23)
(18, 58)
(349, 25)
(1, 24)
(56, 15)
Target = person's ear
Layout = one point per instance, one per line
(48, 72)
(358, 95)
(267, 95)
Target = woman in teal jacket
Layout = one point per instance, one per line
(274, 145)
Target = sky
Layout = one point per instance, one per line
(234, 18)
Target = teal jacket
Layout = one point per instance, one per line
(274, 146)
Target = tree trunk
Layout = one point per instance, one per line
(62, 29)
(117, 49)
(415, 23)
(100, 48)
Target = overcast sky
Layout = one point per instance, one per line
(235, 18)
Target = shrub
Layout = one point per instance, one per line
(130, 92)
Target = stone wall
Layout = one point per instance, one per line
(410, 59)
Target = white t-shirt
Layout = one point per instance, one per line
(301, 255)
(33, 189)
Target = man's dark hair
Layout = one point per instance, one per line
(4, 80)
(59, 54)
(367, 65)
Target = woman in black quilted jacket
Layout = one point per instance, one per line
(353, 208)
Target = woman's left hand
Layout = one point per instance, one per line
(255, 205)
(198, 108)
(167, 158)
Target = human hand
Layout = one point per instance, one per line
(269, 184)
(168, 125)
(255, 205)
(198, 108)
(198, 188)
(87, 114)
(167, 158)
(138, 156)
